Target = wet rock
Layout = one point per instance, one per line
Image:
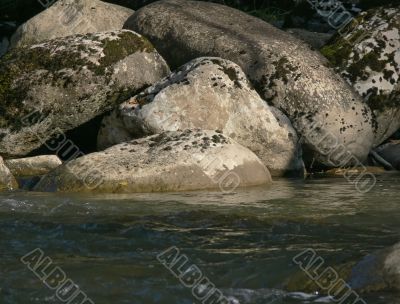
(283, 69)
(32, 166)
(340, 172)
(7, 180)
(71, 17)
(390, 152)
(212, 94)
(378, 271)
(60, 84)
(170, 161)
(368, 57)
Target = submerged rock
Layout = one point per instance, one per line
(211, 94)
(170, 161)
(33, 166)
(7, 180)
(378, 271)
(368, 57)
(70, 17)
(57, 85)
(286, 72)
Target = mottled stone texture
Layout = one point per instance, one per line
(60, 84)
(368, 57)
(284, 70)
(212, 94)
(170, 161)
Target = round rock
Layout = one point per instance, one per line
(57, 85)
(211, 94)
(170, 161)
(284, 70)
(70, 17)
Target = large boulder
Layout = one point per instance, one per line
(170, 161)
(323, 108)
(7, 180)
(368, 57)
(57, 85)
(70, 17)
(212, 94)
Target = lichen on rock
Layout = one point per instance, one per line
(368, 57)
(91, 73)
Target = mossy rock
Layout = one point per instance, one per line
(367, 55)
(62, 83)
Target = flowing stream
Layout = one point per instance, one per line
(243, 242)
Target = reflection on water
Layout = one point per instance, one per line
(244, 242)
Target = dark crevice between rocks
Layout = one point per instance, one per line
(73, 143)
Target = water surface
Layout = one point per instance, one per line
(244, 242)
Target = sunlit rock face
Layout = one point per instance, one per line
(368, 57)
(71, 17)
(170, 161)
(213, 94)
(284, 70)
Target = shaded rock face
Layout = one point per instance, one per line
(368, 57)
(60, 84)
(214, 94)
(70, 17)
(7, 180)
(170, 161)
(284, 70)
(391, 153)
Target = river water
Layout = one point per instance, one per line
(243, 242)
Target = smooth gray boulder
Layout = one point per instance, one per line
(368, 57)
(32, 166)
(322, 107)
(212, 94)
(57, 85)
(170, 161)
(71, 17)
(7, 180)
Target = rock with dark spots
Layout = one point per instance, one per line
(70, 17)
(160, 163)
(286, 72)
(391, 153)
(32, 166)
(368, 57)
(214, 94)
(57, 85)
(7, 180)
